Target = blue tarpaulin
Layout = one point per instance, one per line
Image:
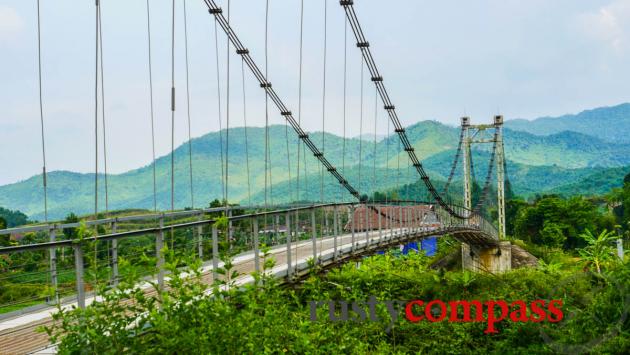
(429, 245)
(410, 247)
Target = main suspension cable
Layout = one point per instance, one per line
(41, 112)
(364, 46)
(151, 108)
(271, 93)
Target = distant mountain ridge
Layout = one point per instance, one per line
(611, 124)
(537, 162)
(370, 137)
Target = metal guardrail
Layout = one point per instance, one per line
(140, 217)
(79, 252)
(170, 214)
(158, 217)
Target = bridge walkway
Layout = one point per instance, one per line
(19, 334)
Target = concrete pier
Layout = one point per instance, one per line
(493, 260)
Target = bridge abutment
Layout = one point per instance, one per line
(493, 260)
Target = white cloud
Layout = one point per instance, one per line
(610, 24)
(10, 23)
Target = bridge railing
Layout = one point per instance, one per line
(70, 266)
(131, 218)
(64, 262)
(475, 221)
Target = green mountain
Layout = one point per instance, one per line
(598, 182)
(565, 149)
(69, 191)
(535, 163)
(611, 124)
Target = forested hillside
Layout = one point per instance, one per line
(611, 124)
(535, 163)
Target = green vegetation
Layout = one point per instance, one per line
(265, 317)
(10, 218)
(598, 182)
(599, 251)
(567, 222)
(555, 221)
(574, 239)
(25, 277)
(570, 215)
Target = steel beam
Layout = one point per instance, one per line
(53, 265)
(115, 275)
(215, 252)
(79, 272)
(288, 233)
(256, 247)
(159, 254)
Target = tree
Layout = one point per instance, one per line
(512, 209)
(568, 217)
(509, 192)
(71, 233)
(625, 199)
(217, 203)
(552, 235)
(4, 239)
(599, 250)
(378, 196)
(13, 218)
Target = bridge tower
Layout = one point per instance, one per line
(475, 134)
(466, 147)
(498, 123)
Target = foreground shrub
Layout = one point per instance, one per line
(266, 318)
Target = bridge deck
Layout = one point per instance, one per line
(20, 335)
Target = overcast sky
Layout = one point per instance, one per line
(440, 60)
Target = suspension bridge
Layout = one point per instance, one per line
(72, 263)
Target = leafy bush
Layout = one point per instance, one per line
(265, 317)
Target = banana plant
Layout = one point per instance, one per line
(599, 250)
